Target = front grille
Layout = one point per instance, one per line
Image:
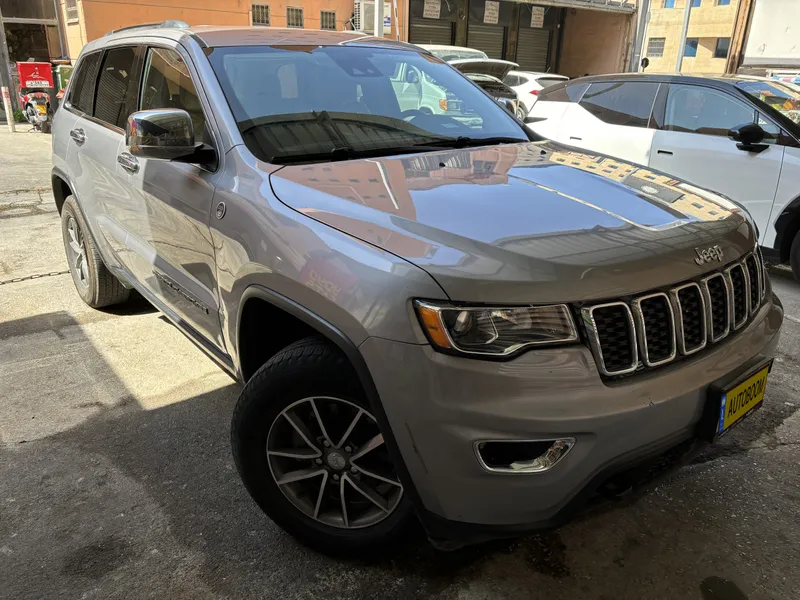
(676, 322)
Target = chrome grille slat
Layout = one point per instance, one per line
(686, 318)
(699, 313)
(718, 306)
(600, 338)
(651, 309)
(740, 294)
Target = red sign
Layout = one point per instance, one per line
(35, 75)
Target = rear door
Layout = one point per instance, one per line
(102, 99)
(692, 143)
(612, 117)
(546, 116)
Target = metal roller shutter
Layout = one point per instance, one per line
(428, 31)
(532, 48)
(489, 38)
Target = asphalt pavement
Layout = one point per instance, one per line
(116, 479)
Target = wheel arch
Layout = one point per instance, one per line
(787, 226)
(311, 324)
(61, 188)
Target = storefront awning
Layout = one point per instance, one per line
(616, 6)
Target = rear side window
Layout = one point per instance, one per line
(81, 93)
(626, 103)
(563, 92)
(118, 86)
(167, 84)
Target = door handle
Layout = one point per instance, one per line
(78, 136)
(128, 162)
(667, 152)
(572, 137)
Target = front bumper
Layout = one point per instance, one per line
(438, 406)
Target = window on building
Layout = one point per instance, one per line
(723, 2)
(327, 19)
(117, 86)
(669, 3)
(695, 3)
(261, 14)
(655, 47)
(72, 10)
(696, 109)
(168, 84)
(621, 103)
(690, 50)
(81, 93)
(721, 51)
(294, 17)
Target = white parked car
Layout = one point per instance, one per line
(528, 83)
(734, 135)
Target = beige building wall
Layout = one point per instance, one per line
(595, 42)
(98, 17)
(707, 22)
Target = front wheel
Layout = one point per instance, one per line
(312, 455)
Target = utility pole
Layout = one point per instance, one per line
(682, 45)
(378, 27)
(5, 64)
(641, 32)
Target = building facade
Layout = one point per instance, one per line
(708, 35)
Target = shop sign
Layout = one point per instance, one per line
(432, 9)
(491, 14)
(537, 16)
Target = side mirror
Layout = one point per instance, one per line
(508, 104)
(749, 137)
(412, 76)
(163, 134)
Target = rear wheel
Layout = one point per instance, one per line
(96, 285)
(312, 455)
(794, 256)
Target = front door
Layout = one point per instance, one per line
(692, 144)
(169, 235)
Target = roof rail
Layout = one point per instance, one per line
(172, 24)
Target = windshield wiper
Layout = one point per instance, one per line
(466, 142)
(338, 153)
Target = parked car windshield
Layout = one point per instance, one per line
(781, 97)
(297, 103)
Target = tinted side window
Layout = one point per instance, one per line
(621, 103)
(696, 109)
(563, 92)
(167, 84)
(117, 87)
(81, 93)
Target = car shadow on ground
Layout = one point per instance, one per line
(148, 503)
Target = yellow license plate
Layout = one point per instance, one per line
(741, 400)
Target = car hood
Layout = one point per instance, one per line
(528, 222)
(485, 66)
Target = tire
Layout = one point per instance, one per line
(95, 284)
(794, 256)
(312, 369)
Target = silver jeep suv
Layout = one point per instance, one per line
(434, 316)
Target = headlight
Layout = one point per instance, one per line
(494, 331)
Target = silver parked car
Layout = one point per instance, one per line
(433, 316)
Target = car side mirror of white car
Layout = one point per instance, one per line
(748, 137)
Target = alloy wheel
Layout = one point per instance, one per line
(328, 458)
(76, 253)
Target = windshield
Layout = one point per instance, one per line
(339, 102)
(779, 96)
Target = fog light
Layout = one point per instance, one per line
(522, 456)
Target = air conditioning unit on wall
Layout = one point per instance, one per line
(364, 19)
